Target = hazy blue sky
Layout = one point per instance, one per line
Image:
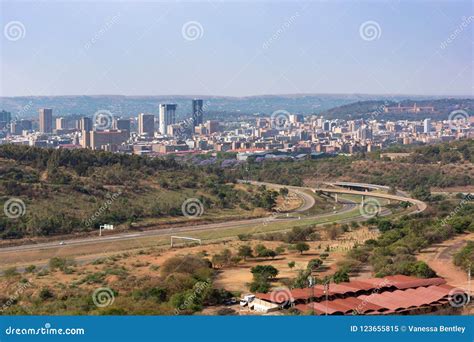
(244, 48)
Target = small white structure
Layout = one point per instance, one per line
(263, 306)
(105, 227)
(246, 300)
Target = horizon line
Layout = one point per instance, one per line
(249, 96)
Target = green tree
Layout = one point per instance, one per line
(245, 251)
(267, 271)
(259, 284)
(314, 264)
(301, 280)
(302, 247)
(341, 276)
(422, 192)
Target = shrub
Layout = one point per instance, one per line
(10, 272)
(30, 269)
(45, 294)
(314, 264)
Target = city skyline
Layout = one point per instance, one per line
(209, 50)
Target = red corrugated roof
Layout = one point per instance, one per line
(384, 302)
(399, 282)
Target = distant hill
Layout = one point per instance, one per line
(128, 106)
(375, 109)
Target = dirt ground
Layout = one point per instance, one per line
(146, 262)
(440, 258)
(455, 189)
(236, 278)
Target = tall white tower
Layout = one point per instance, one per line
(167, 116)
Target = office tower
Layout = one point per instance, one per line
(364, 133)
(197, 112)
(212, 126)
(146, 124)
(122, 124)
(17, 127)
(327, 126)
(85, 124)
(61, 123)
(427, 126)
(46, 120)
(5, 118)
(295, 118)
(167, 116)
(262, 122)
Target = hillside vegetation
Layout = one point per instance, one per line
(443, 165)
(75, 191)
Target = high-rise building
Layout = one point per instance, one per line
(197, 112)
(146, 124)
(5, 118)
(85, 124)
(17, 127)
(327, 126)
(295, 118)
(122, 124)
(364, 133)
(167, 116)
(212, 126)
(427, 126)
(46, 120)
(61, 123)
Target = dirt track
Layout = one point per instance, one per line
(440, 258)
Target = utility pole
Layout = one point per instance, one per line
(469, 283)
(326, 292)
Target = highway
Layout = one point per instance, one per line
(308, 202)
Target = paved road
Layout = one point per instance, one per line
(308, 202)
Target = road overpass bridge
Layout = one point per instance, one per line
(420, 205)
